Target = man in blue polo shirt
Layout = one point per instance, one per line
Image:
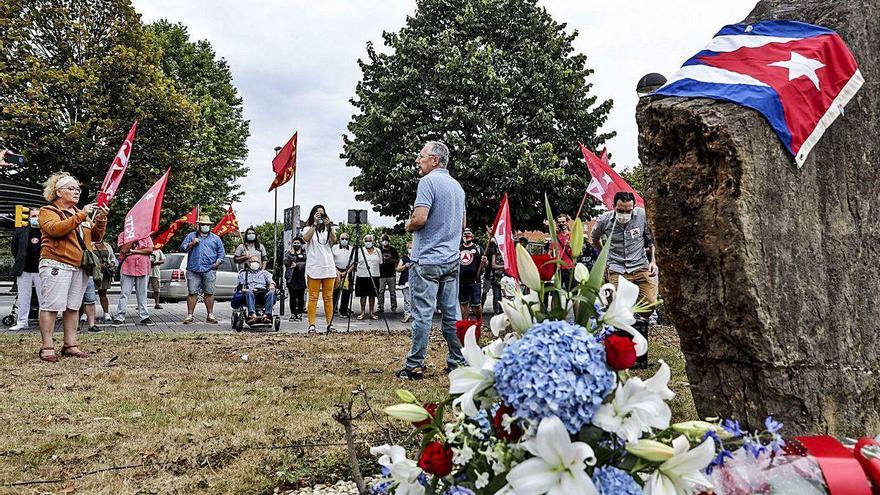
(437, 222)
(206, 253)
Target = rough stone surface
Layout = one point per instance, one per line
(771, 274)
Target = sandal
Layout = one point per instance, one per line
(360, 317)
(67, 350)
(49, 359)
(374, 317)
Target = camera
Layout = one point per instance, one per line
(11, 159)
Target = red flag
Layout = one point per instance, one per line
(227, 224)
(164, 237)
(502, 231)
(143, 218)
(606, 182)
(284, 163)
(117, 168)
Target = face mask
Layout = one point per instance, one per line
(385, 243)
(204, 229)
(254, 266)
(35, 222)
(368, 244)
(623, 217)
(343, 242)
(251, 237)
(468, 240)
(295, 246)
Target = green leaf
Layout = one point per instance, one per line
(597, 274)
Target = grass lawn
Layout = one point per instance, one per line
(210, 413)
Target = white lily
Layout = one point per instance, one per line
(651, 450)
(619, 313)
(498, 323)
(558, 466)
(404, 472)
(581, 273)
(637, 406)
(479, 375)
(408, 412)
(682, 474)
(518, 314)
(528, 271)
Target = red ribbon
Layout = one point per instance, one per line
(870, 465)
(843, 474)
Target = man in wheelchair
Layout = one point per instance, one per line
(257, 287)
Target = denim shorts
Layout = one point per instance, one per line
(469, 293)
(89, 296)
(206, 282)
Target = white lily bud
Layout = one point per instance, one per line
(528, 271)
(650, 450)
(581, 273)
(408, 412)
(406, 396)
(697, 429)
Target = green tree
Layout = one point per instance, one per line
(496, 80)
(635, 177)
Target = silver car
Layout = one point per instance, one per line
(172, 279)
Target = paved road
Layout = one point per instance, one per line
(170, 317)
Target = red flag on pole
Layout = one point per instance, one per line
(606, 182)
(143, 218)
(117, 169)
(164, 237)
(227, 225)
(502, 231)
(284, 164)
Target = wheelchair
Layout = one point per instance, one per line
(240, 313)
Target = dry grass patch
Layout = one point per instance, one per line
(193, 415)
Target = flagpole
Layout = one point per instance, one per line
(581, 207)
(275, 228)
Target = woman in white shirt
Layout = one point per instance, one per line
(367, 276)
(319, 237)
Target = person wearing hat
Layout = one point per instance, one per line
(206, 253)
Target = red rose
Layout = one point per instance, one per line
(436, 459)
(431, 407)
(498, 423)
(546, 266)
(461, 328)
(620, 351)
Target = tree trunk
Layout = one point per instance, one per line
(771, 273)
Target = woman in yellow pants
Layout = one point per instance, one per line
(319, 237)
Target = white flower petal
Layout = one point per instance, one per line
(660, 381)
(498, 324)
(532, 477)
(471, 350)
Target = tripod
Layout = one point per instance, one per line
(353, 262)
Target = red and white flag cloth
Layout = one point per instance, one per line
(117, 169)
(502, 231)
(284, 164)
(606, 182)
(227, 225)
(164, 237)
(143, 218)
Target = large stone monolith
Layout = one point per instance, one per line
(771, 273)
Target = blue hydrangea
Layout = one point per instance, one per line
(482, 419)
(610, 480)
(555, 369)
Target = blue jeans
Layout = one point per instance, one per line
(251, 302)
(434, 286)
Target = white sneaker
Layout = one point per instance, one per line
(108, 318)
(84, 317)
(18, 326)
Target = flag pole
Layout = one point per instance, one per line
(581, 207)
(275, 228)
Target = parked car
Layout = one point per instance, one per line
(172, 280)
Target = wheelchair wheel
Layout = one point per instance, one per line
(9, 320)
(276, 323)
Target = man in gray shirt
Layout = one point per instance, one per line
(437, 222)
(632, 246)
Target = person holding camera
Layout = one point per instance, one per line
(342, 256)
(388, 273)
(321, 274)
(295, 277)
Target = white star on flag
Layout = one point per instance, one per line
(607, 178)
(800, 65)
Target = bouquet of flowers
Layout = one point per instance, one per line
(549, 406)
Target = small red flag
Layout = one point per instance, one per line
(143, 218)
(227, 224)
(117, 169)
(502, 231)
(284, 164)
(606, 182)
(164, 237)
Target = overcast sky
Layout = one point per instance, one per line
(294, 63)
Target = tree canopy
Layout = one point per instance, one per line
(74, 75)
(499, 82)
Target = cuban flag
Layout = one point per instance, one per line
(799, 76)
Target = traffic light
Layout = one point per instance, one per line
(22, 215)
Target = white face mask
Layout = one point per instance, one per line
(343, 242)
(251, 237)
(623, 217)
(204, 229)
(254, 266)
(35, 222)
(368, 244)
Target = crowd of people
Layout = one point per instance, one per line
(62, 254)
